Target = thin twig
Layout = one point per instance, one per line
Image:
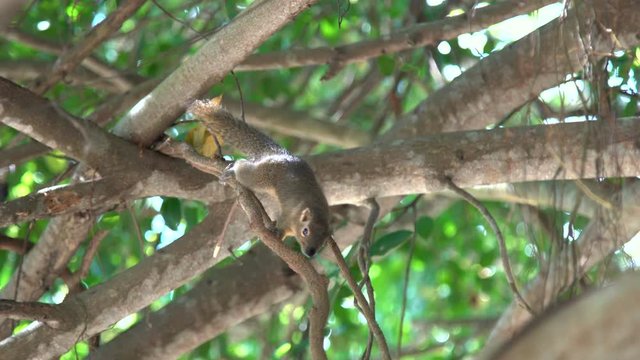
(501, 243)
(405, 285)
(366, 311)
(220, 240)
(73, 280)
(19, 274)
(46, 313)
(364, 263)
(174, 18)
(235, 77)
(136, 227)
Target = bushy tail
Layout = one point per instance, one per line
(233, 131)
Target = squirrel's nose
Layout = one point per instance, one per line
(309, 251)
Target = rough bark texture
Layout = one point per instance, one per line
(518, 73)
(597, 326)
(249, 286)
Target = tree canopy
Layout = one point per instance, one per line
(480, 160)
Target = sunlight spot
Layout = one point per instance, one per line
(444, 290)
(451, 72)
(632, 248)
(444, 48)
(362, 319)
(347, 303)
(111, 55)
(282, 350)
(139, 106)
(434, 2)
(157, 223)
(126, 322)
(244, 247)
(439, 334)
(169, 235)
(59, 295)
(569, 232)
(326, 343)
(154, 202)
(98, 19)
(530, 250)
(43, 25)
(486, 272)
(566, 96)
(474, 42)
(374, 271)
(519, 26)
(241, 350)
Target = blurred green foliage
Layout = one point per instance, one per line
(457, 285)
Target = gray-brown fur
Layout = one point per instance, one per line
(271, 169)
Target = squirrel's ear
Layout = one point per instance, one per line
(305, 215)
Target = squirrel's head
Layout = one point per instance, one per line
(312, 231)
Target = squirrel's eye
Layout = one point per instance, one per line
(305, 232)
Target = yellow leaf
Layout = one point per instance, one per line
(202, 141)
(209, 147)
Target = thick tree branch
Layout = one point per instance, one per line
(597, 326)
(555, 152)
(225, 297)
(412, 37)
(52, 126)
(301, 125)
(215, 59)
(471, 158)
(518, 73)
(104, 114)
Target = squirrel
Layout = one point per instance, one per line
(270, 169)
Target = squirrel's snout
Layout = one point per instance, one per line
(309, 251)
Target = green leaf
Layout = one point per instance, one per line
(231, 8)
(424, 226)
(171, 211)
(386, 64)
(389, 241)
